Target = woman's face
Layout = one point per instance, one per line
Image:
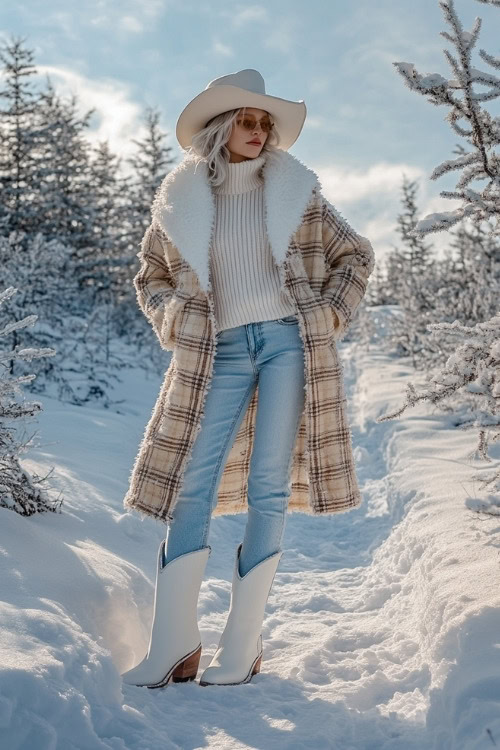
(240, 142)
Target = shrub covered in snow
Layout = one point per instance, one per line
(19, 491)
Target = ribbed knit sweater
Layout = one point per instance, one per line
(245, 277)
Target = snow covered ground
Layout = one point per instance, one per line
(382, 629)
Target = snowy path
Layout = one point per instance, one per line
(382, 628)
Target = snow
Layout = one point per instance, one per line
(443, 219)
(382, 629)
(431, 80)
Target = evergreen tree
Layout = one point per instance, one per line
(414, 287)
(150, 165)
(417, 254)
(112, 228)
(19, 136)
(65, 196)
(104, 168)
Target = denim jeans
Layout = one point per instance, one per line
(268, 353)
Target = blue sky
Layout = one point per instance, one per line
(364, 127)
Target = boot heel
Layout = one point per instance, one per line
(257, 665)
(188, 668)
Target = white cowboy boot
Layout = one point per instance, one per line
(239, 654)
(175, 644)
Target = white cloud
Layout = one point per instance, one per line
(99, 21)
(119, 119)
(65, 22)
(130, 23)
(150, 7)
(282, 35)
(281, 39)
(107, 14)
(319, 84)
(248, 15)
(314, 122)
(222, 49)
(352, 185)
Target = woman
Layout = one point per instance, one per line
(249, 276)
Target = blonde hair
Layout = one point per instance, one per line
(210, 144)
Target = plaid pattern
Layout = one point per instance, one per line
(325, 272)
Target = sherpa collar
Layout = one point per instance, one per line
(184, 206)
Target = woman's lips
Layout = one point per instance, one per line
(254, 143)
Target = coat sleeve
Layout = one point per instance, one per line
(349, 260)
(154, 283)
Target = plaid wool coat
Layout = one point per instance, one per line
(323, 266)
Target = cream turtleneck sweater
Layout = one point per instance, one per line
(245, 277)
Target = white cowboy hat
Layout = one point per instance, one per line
(246, 88)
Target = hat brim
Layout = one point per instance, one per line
(289, 116)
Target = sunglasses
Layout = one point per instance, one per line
(248, 123)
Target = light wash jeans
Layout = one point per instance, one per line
(270, 353)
